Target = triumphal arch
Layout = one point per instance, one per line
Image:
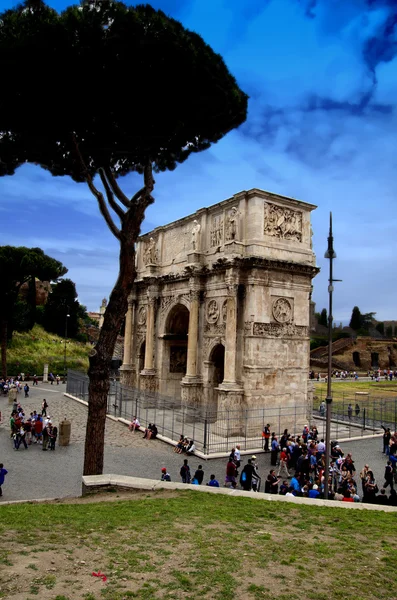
(219, 314)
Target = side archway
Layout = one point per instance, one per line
(216, 372)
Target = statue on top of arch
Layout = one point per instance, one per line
(150, 253)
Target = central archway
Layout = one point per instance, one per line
(174, 361)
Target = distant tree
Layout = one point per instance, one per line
(19, 265)
(380, 327)
(361, 321)
(63, 301)
(389, 331)
(81, 121)
(356, 319)
(323, 318)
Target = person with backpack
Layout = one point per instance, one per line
(26, 390)
(185, 472)
(246, 476)
(199, 475)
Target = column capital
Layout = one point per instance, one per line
(232, 289)
(151, 300)
(194, 295)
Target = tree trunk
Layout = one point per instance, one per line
(100, 360)
(3, 339)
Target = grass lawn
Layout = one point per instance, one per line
(379, 399)
(30, 350)
(188, 545)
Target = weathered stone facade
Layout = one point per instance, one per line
(219, 315)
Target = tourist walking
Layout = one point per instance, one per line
(386, 440)
(388, 475)
(274, 452)
(44, 407)
(185, 472)
(283, 467)
(26, 390)
(53, 434)
(266, 437)
(231, 473)
(3, 473)
(246, 476)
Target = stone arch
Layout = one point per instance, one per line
(216, 372)
(212, 344)
(174, 338)
(170, 307)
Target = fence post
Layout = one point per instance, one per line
(395, 414)
(364, 414)
(205, 436)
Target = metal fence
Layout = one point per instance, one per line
(360, 409)
(231, 427)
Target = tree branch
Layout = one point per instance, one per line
(109, 194)
(115, 187)
(98, 195)
(103, 208)
(146, 198)
(136, 196)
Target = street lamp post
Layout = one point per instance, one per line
(64, 354)
(331, 254)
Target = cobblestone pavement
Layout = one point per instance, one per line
(33, 474)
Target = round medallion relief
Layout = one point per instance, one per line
(282, 310)
(142, 315)
(212, 311)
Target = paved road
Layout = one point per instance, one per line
(33, 474)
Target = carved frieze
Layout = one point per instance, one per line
(216, 231)
(167, 301)
(280, 330)
(142, 315)
(215, 328)
(282, 310)
(282, 223)
(224, 311)
(212, 311)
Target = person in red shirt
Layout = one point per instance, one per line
(231, 473)
(38, 429)
(283, 468)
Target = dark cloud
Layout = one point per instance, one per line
(382, 47)
(363, 107)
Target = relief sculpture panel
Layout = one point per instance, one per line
(216, 231)
(280, 330)
(283, 223)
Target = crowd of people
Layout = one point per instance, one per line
(300, 462)
(37, 428)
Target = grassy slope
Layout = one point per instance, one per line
(29, 351)
(189, 545)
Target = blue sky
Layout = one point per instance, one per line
(321, 127)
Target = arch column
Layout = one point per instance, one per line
(191, 384)
(230, 392)
(147, 376)
(192, 340)
(231, 335)
(127, 374)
